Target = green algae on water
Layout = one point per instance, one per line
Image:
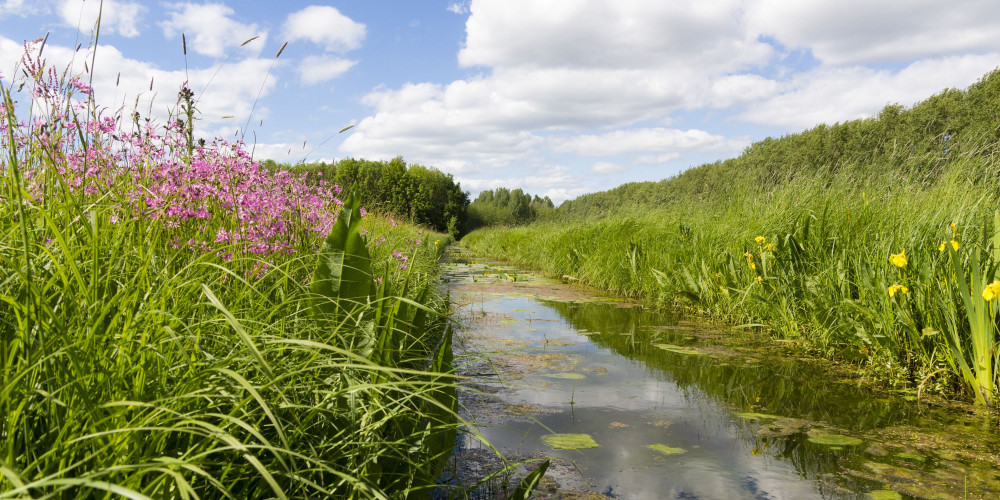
(679, 350)
(566, 375)
(667, 450)
(884, 495)
(756, 416)
(570, 441)
(819, 436)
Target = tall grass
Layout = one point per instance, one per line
(165, 329)
(809, 258)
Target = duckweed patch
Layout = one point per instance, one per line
(666, 450)
(570, 441)
(756, 416)
(884, 495)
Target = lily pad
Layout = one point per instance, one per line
(668, 450)
(884, 495)
(830, 439)
(679, 350)
(570, 441)
(566, 375)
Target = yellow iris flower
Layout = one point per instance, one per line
(898, 259)
(894, 289)
(992, 291)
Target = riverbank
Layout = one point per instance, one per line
(771, 394)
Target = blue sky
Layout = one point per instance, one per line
(557, 97)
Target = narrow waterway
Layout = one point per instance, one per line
(639, 405)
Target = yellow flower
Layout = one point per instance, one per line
(760, 240)
(954, 228)
(753, 266)
(954, 245)
(898, 259)
(898, 289)
(760, 279)
(992, 291)
(770, 247)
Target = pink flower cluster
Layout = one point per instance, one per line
(212, 197)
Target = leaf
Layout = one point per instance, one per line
(343, 279)
(530, 482)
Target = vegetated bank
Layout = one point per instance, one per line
(877, 240)
(178, 321)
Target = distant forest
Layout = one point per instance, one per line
(420, 194)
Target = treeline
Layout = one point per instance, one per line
(422, 195)
(910, 144)
(504, 207)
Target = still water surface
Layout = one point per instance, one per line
(728, 424)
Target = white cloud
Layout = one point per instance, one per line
(845, 93)
(706, 35)
(606, 167)
(459, 8)
(22, 8)
(658, 140)
(862, 31)
(316, 69)
(656, 159)
(210, 29)
(116, 16)
(324, 26)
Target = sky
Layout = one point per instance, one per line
(556, 97)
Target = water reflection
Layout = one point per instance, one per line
(779, 386)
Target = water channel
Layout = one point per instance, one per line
(640, 405)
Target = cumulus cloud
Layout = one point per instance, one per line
(657, 140)
(116, 16)
(325, 26)
(210, 29)
(862, 31)
(623, 33)
(21, 8)
(316, 69)
(606, 167)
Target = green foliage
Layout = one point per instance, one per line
(507, 208)
(422, 195)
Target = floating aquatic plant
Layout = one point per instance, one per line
(819, 436)
(570, 441)
(667, 450)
